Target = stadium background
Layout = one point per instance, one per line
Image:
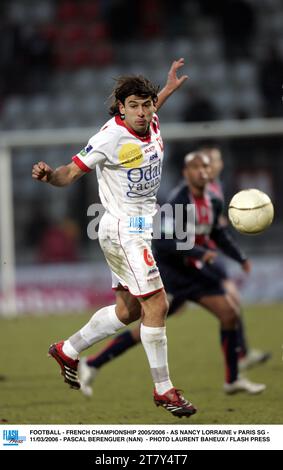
(57, 64)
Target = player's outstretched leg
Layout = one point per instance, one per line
(254, 357)
(235, 383)
(227, 315)
(91, 365)
(247, 357)
(242, 384)
(102, 324)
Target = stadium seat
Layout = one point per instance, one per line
(208, 50)
(216, 72)
(18, 12)
(83, 80)
(97, 32)
(41, 11)
(243, 73)
(89, 11)
(14, 114)
(38, 106)
(102, 55)
(226, 101)
(250, 100)
(63, 106)
(183, 48)
(68, 11)
(71, 34)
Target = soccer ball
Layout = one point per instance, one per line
(250, 211)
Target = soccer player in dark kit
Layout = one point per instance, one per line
(193, 274)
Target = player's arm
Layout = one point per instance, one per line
(61, 176)
(230, 248)
(224, 240)
(173, 82)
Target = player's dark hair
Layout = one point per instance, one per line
(131, 85)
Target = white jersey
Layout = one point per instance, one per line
(128, 167)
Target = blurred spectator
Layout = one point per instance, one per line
(199, 107)
(270, 81)
(60, 243)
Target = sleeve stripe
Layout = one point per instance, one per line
(81, 165)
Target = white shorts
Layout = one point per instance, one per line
(127, 248)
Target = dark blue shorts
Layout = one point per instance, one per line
(189, 283)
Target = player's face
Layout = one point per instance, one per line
(216, 163)
(138, 113)
(196, 173)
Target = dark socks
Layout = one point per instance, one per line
(116, 347)
(229, 348)
(242, 345)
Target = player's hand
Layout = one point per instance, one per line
(173, 81)
(209, 257)
(246, 266)
(42, 172)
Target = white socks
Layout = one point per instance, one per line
(154, 341)
(69, 350)
(105, 323)
(102, 324)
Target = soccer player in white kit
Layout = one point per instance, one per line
(127, 153)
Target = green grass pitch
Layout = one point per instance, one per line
(33, 391)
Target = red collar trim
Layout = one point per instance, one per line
(144, 138)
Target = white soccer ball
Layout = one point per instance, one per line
(250, 211)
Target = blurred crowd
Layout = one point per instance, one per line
(237, 42)
(58, 59)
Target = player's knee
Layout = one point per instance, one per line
(163, 305)
(229, 318)
(155, 308)
(135, 313)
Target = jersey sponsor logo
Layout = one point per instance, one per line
(153, 157)
(148, 258)
(144, 181)
(150, 149)
(130, 156)
(152, 274)
(86, 150)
